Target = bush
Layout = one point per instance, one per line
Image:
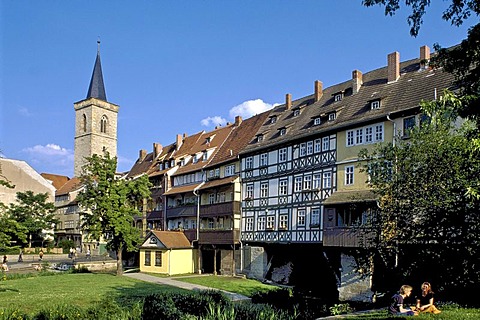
(160, 306)
(251, 311)
(340, 308)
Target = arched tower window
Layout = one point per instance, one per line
(103, 124)
(84, 123)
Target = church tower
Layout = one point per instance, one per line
(95, 121)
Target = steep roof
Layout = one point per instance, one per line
(208, 140)
(172, 239)
(414, 85)
(70, 186)
(97, 88)
(57, 180)
(241, 135)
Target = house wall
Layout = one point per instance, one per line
(176, 261)
(352, 286)
(25, 178)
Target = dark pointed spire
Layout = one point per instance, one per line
(96, 88)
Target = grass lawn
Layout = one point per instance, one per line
(246, 287)
(450, 314)
(80, 289)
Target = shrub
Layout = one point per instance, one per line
(340, 308)
(251, 311)
(160, 306)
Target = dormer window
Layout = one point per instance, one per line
(259, 137)
(375, 104)
(338, 96)
(160, 166)
(296, 112)
(195, 158)
(205, 156)
(273, 119)
(166, 165)
(172, 163)
(317, 121)
(209, 139)
(283, 131)
(182, 162)
(332, 116)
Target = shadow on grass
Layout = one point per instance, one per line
(5, 290)
(127, 296)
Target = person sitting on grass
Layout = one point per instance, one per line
(425, 300)
(396, 307)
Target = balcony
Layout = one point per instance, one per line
(220, 209)
(182, 211)
(219, 236)
(346, 237)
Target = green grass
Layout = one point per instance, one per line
(82, 289)
(246, 287)
(450, 314)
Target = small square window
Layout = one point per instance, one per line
(375, 105)
(338, 97)
(296, 112)
(317, 121)
(331, 116)
(273, 119)
(283, 131)
(259, 137)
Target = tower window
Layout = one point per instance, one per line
(84, 124)
(103, 124)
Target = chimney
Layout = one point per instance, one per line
(424, 57)
(318, 90)
(142, 155)
(179, 141)
(393, 66)
(288, 101)
(238, 120)
(157, 149)
(357, 80)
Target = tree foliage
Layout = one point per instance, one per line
(109, 205)
(456, 13)
(463, 60)
(428, 187)
(33, 213)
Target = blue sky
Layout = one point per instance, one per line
(182, 66)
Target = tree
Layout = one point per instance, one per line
(429, 203)
(109, 205)
(33, 212)
(11, 230)
(456, 13)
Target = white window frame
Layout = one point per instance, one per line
(301, 216)
(315, 216)
(261, 223)
(309, 147)
(249, 163)
(303, 149)
(270, 222)
(249, 224)
(318, 145)
(249, 191)
(365, 135)
(349, 175)
(283, 187)
(298, 184)
(264, 190)
(326, 143)
(264, 159)
(283, 221)
(317, 181)
(327, 180)
(307, 182)
(317, 121)
(282, 155)
(229, 170)
(375, 105)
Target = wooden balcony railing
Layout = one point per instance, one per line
(220, 209)
(347, 237)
